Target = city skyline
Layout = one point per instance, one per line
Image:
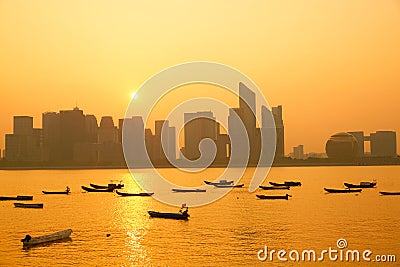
(333, 66)
(72, 136)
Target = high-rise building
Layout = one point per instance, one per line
(72, 131)
(23, 125)
(91, 129)
(280, 132)
(51, 136)
(198, 126)
(134, 141)
(383, 144)
(107, 131)
(163, 141)
(24, 144)
(245, 116)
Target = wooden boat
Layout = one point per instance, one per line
(168, 215)
(274, 197)
(361, 185)
(123, 194)
(291, 183)
(17, 198)
(89, 189)
(385, 193)
(221, 182)
(347, 190)
(188, 190)
(56, 192)
(228, 186)
(31, 241)
(112, 185)
(283, 187)
(30, 205)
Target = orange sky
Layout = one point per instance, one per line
(333, 65)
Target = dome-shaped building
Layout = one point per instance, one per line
(342, 147)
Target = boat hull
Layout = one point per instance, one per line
(329, 190)
(286, 197)
(389, 193)
(17, 198)
(55, 192)
(188, 190)
(168, 215)
(47, 238)
(29, 206)
(219, 183)
(286, 184)
(114, 186)
(229, 186)
(88, 189)
(370, 185)
(274, 187)
(122, 194)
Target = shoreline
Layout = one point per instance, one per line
(277, 165)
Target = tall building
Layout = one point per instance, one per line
(383, 144)
(72, 131)
(198, 126)
(280, 132)
(51, 136)
(91, 129)
(23, 125)
(24, 144)
(163, 141)
(107, 131)
(244, 115)
(134, 141)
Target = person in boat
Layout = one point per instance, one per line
(27, 238)
(67, 189)
(185, 213)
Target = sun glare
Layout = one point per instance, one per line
(134, 95)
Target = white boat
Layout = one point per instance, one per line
(30, 241)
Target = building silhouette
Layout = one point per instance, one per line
(24, 144)
(162, 145)
(198, 126)
(298, 152)
(383, 144)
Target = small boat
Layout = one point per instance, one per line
(188, 190)
(168, 215)
(228, 186)
(123, 194)
(31, 241)
(31, 206)
(282, 187)
(221, 182)
(89, 189)
(361, 185)
(347, 190)
(291, 183)
(112, 185)
(274, 197)
(17, 198)
(385, 193)
(56, 192)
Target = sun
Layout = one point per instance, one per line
(134, 95)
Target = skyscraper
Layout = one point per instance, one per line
(198, 126)
(107, 131)
(280, 132)
(25, 142)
